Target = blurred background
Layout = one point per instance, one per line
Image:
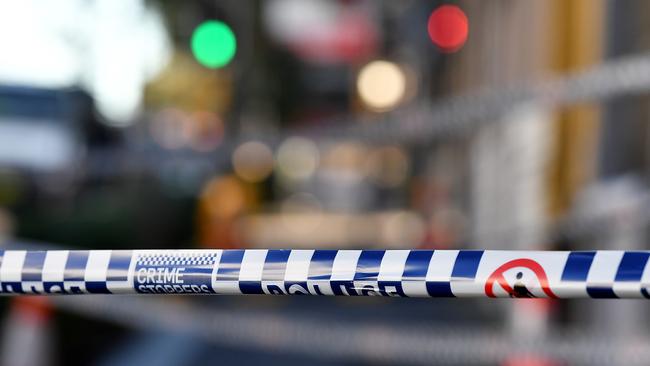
(324, 124)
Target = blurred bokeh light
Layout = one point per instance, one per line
(381, 85)
(297, 158)
(448, 28)
(253, 161)
(214, 44)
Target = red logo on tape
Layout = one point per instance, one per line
(519, 289)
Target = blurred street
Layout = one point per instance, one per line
(324, 124)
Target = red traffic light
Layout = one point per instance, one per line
(448, 28)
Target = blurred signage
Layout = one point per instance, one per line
(37, 130)
(40, 145)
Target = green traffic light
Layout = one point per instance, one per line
(213, 44)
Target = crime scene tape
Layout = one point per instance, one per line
(405, 273)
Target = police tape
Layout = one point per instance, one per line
(399, 273)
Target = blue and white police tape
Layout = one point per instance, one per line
(417, 273)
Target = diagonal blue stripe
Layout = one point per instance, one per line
(75, 266)
(417, 265)
(439, 289)
(632, 266)
(97, 287)
(320, 266)
(251, 287)
(230, 265)
(275, 264)
(601, 292)
(577, 266)
(118, 265)
(368, 265)
(33, 266)
(467, 264)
